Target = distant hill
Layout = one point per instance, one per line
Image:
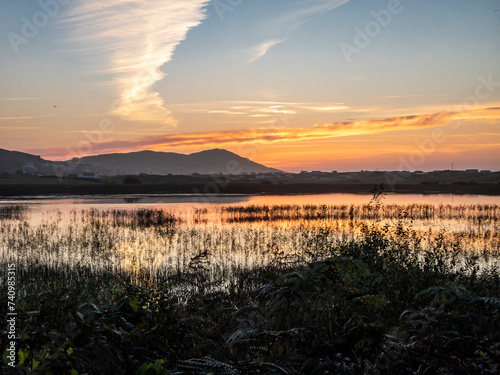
(14, 161)
(150, 162)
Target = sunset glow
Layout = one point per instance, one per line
(295, 85)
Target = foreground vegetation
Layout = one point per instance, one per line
(314, 290)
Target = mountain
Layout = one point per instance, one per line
(13, 161)
(150, 162)
(205, 162)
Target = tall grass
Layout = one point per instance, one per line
(150, 245)
(13, 212)
(259, 289)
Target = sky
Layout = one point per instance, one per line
(293, 84)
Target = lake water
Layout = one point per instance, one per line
(61, 232)
(186, 202)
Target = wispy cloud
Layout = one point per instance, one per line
(260, 108)
(16, 118)
(303, 12)
(20, 128)
(408, 96)
(280, 27)
(135, 38)
(287, 134)
(20, 99)
(332, 108)
(261, 49)
(400, 123)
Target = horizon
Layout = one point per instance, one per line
(284, 171)
(292, 85)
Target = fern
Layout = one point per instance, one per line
(207, 366)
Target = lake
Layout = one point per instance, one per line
(161, 235)
(42, 204)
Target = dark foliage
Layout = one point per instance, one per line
(365, 307)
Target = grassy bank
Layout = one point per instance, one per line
(34, 186)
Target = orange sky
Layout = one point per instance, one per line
(411, 141)
(271, 81)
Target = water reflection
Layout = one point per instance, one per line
(132, 199)
(203, 199)
(238, 232)
(187, 202)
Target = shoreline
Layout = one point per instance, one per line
(234, 189)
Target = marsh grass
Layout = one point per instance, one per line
(407, 289)
(13, 212)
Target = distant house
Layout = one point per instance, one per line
(262, 176)
(471, 170)
(88, 175)
(485, 171)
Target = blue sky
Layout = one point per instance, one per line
(269, 75)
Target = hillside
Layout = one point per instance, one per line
(162, 163)
(149, 162)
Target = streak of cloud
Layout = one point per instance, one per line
(16, 118)
(21, 128)
(298, 17)
(268, 135)
(19, 99)
(283, 25)
(327, 109)
(135, 38)
(261, 108)
(260, 50)
(402, 122)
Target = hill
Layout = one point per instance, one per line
(149, 162)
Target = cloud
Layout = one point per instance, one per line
(400, 123)
(332, 108)
(405, 96)
(134, 39)
(298, 17)
(21, 128)
(16, 118)
(226, 112)
(287, 134)
(20, 99)
(260, 108)
(260, 50)
(282, 25)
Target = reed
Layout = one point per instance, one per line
(283, 289)
(13, 212)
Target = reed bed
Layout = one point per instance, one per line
(13, 212)
(155, 244)
(282, 289)
(474, 213)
